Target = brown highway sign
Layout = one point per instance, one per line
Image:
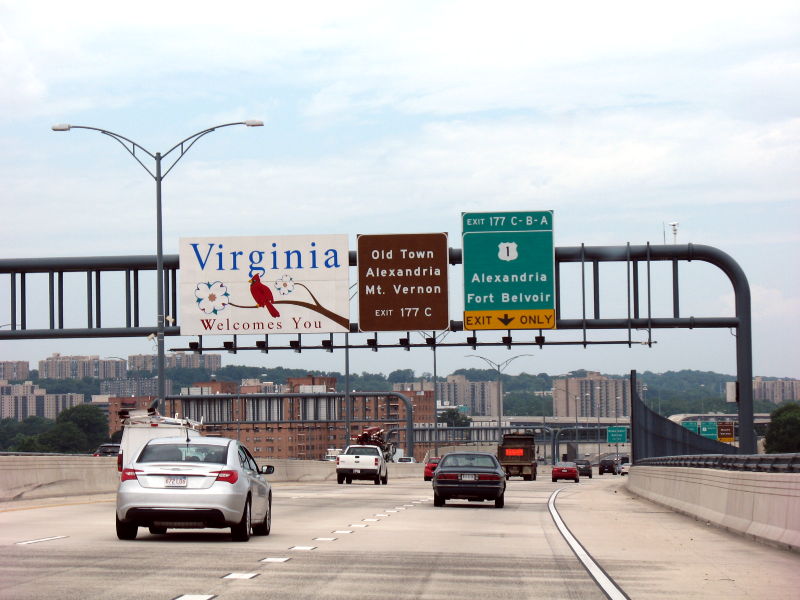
(402, 282)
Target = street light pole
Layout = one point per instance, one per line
(499, 367)
(158, 176)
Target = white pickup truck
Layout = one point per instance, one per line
(362, 462)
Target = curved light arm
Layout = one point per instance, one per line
(497, 366)
(120, 138)
(184, 145)
(187, 143)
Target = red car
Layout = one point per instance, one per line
(430, 467)
(565, 470)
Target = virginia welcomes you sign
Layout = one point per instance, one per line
(262, 285)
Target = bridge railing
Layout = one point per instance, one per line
(764, 463)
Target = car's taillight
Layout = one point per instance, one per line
(119, 461)
(447, 476)
(337, 461)
(488, 477)
(376, 461)
(227, 476)
(129, 474)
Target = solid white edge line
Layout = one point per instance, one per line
(608, 586)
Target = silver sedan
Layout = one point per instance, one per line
(196, 482)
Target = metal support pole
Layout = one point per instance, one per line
(160, 286)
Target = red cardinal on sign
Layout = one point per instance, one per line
(262, 295)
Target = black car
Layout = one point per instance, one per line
(106, 450)
(584, 468)
(608, 465)
(474, 476)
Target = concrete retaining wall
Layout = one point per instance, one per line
(765, 506)
(29, 477)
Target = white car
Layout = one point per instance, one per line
(625, 468)
(194, 482)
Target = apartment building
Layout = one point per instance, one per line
(14, 370)
(22, 400)
(771, 390)
(593, 395)
(479, 397)
(174, 360)
(78, 367)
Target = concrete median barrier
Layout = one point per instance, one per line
(30, 477)
(764, 506)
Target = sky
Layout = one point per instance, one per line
(397, 117)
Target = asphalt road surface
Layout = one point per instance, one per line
(364, 542)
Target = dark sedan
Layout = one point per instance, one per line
(584, 468)
(474, 476)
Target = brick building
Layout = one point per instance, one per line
(276, 426)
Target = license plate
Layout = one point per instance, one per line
(564, 471)
(175, 482)
(356, 470)
(469, 477)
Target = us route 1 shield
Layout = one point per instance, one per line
(509, 270)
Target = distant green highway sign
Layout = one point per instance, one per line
(617, 435)
(708, 429)
(692, 426)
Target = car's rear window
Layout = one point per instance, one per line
(206, 453)
(468, 460)
(364, 451)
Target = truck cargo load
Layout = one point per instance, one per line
(517, 455)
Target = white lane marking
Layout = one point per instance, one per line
(47, 539)
(381, 515)
(358, 525)
(196, 597)
(240, 575)
(328, 539)
(303, 548)
(341, 531)
(370, 520)
(605, 582)
(276, 559)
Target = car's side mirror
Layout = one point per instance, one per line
(267, 469)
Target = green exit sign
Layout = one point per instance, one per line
(617, 435)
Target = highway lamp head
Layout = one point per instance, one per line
(62, 127)
(254, 123)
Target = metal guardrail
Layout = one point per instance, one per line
(763, 463)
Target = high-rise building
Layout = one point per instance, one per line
(14, 370)
(175, 360)
(22, 400)
(771, 390)
(78, 367)
(479, 397)
(593, 395)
